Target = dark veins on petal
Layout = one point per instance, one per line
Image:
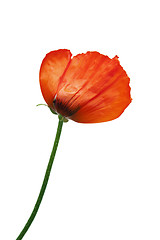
(63, 109)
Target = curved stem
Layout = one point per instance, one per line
(45, 181)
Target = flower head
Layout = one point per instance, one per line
(88, 88)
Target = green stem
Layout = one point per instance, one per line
(45, 181)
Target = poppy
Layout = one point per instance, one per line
(88, 88)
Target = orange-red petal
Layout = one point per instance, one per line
(52, 68)
(94, 88)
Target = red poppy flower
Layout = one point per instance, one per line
(88, 88)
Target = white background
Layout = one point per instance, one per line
(105, 181)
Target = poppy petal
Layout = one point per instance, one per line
(52, 68)
(93, 89)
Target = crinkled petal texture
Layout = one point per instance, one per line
(52, 69)
(89, 88)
